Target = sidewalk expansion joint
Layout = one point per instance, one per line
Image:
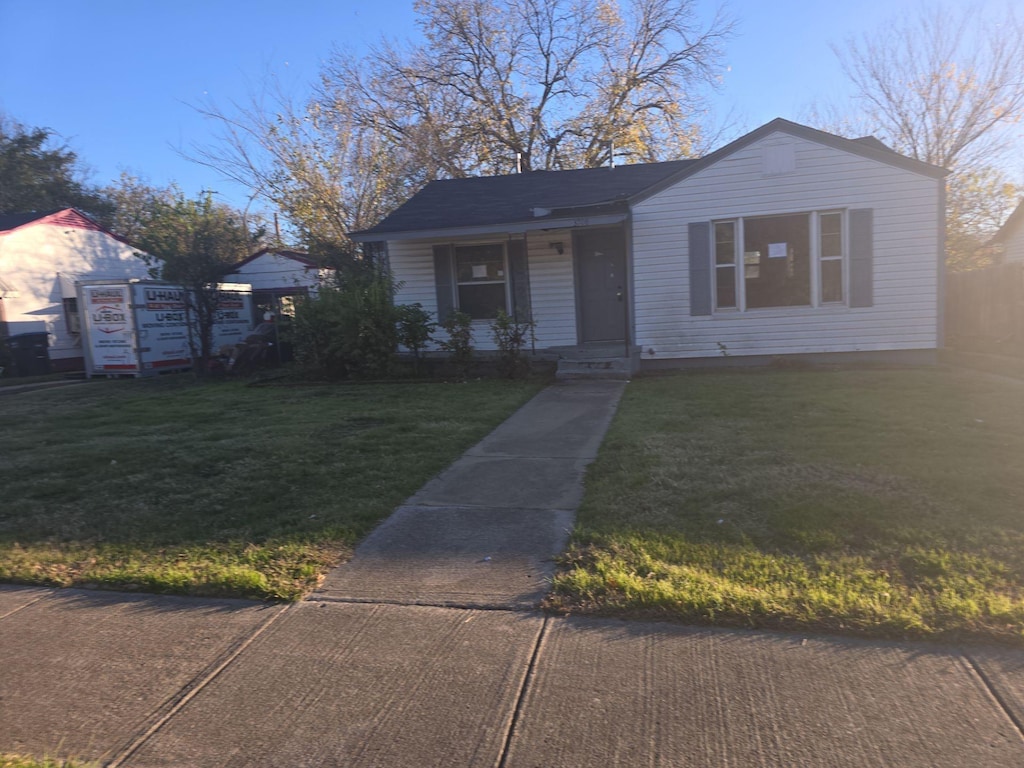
(455, 606)
(191, 689)
(462, 505)
(531, 669)
(23, 606)
(587, 457)
(994, 693)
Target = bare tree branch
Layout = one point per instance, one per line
(553, 83)
(941, 87)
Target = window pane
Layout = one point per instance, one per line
(725, 243)
(479, 263)
(752, 264)
(783, 275)
(482, 301)
(832, 280)
(831, 234)
(725, 287)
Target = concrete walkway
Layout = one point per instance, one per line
(425, 651)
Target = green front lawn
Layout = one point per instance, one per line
(878, 502)
(166, 486)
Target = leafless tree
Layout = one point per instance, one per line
(947, 88)
(941, 87)
(324, 173)
(544, 84)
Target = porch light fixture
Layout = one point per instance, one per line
(557, 247)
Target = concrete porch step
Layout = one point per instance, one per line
(619, 368)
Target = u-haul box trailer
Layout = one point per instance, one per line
(140, 328)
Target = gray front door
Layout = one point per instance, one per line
(600, 256)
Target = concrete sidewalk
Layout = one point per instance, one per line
(425, 651)
(484, 532)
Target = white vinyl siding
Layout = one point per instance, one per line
(272, 271)
(1013, 248)
(906, 244)
(42, 261)
(552, 292)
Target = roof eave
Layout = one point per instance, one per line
(501, 228)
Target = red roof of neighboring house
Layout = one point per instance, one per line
(62, 217)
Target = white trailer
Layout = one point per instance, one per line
(140, 328)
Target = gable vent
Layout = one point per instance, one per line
(778, 159)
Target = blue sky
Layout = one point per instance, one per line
(118, 78)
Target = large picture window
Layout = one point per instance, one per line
(481, 280)
(779, 261)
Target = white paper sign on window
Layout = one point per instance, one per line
(777, 250)
(479, 271)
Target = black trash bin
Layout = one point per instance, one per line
(29, 354)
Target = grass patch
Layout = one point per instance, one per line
(20, 761)
(887, 503)
(163, 485)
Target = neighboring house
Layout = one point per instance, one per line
(278, 278)
(1011, 235)
(786, 241)
(42, 255)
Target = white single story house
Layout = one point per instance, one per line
(42, 255)
(1011, 235)
(787, 241)
(278, 277)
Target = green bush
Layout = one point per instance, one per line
(349, 330)
(511, 338)
(459, 344)
(414, 330)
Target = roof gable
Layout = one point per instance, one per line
(297, 256)
(69, 218)
(866, 146)
(1014, 220)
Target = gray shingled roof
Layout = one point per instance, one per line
(491, 200)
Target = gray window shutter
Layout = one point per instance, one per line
(519, 273)
(862, 257)
(444, 281)
(700, 268)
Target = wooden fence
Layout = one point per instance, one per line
(985, 310)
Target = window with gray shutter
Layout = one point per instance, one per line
(520, 274)
(444, 281)
(862, 257)
(700, 267)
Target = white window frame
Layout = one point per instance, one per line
(843, 258)
(814, 234)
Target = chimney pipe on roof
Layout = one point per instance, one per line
(519, 162)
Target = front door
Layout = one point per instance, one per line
(600, 256)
